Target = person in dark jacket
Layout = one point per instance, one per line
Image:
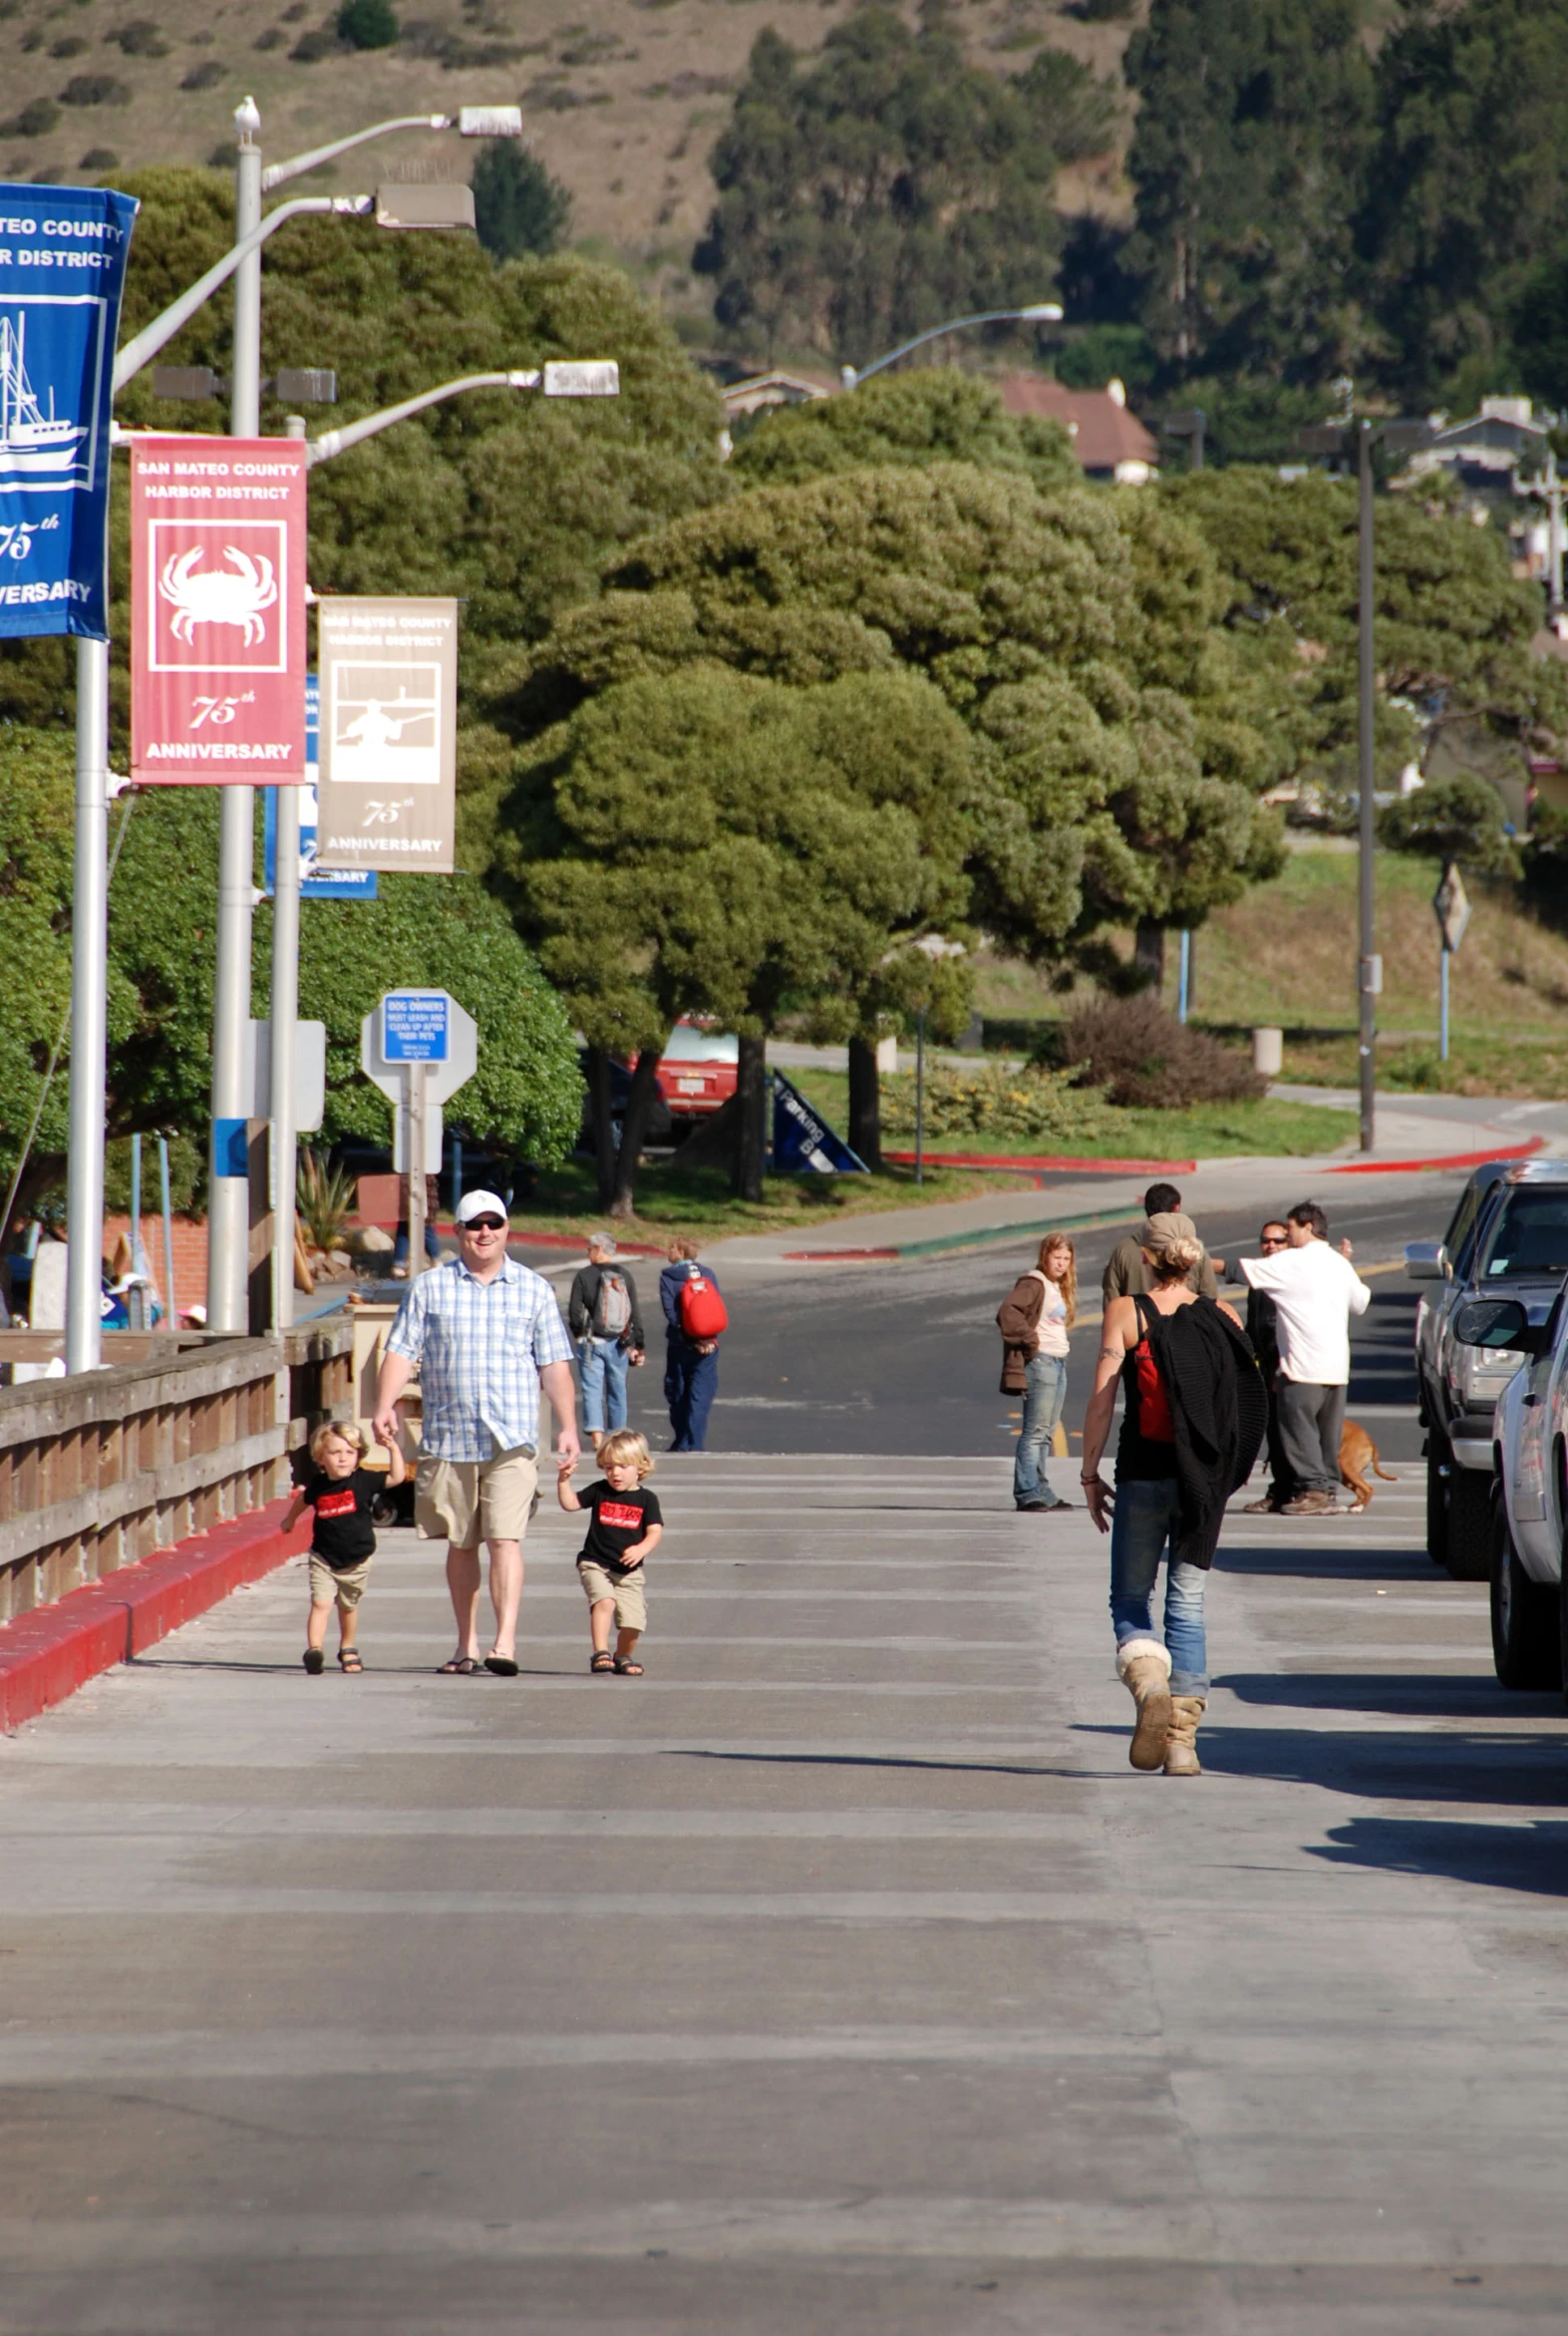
(1195, 1416)
(602, 1316)
(691, 1365)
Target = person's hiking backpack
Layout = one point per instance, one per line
(704, 1313)
(612, 1307)
(1155, 1424)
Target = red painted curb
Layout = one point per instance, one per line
(1449, 1160)
(1087, 1167)
(47, 1655)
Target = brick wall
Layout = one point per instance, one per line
(191, 1253)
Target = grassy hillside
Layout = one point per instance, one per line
(623, 98)
(1286, 954)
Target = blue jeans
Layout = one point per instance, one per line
(602, 1367)
(1142, 1521)
(690, 1381)
(1045, 1392)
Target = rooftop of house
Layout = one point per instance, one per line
(1107, 438)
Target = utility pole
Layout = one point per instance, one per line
(1335, 438)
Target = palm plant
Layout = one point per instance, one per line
(323, 1202)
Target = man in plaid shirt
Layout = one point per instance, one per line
(486, 1335)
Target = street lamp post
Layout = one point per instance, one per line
(1041, 312)
(1334, 438)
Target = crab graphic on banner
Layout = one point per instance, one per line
(208, 596)
(218, 589)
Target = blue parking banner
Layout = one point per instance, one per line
(62, 253)
(315, 882)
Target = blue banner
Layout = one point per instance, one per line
(802, 1140)
(349, 883)
(62, 253)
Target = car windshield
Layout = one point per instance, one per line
(688, 1044)
(1529, 1238)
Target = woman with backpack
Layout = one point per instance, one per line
(602, 1316)
(1033, 1321)
(695, 1316)
(1195, 1412)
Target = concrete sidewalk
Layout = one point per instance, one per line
(839, 1975)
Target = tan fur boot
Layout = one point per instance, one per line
(1144, 1666)
(1181, 1745)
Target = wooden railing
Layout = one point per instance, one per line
(100, 1471)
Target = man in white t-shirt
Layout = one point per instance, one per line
(1315, 1290)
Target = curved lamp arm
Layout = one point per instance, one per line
(276, 174)
(338, 442)
(129, 360)
(1043, 312)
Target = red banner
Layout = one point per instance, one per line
(217, 604)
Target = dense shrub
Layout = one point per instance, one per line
(995, 1102)
(36, 120)
(1136, 1054)
(366, 24)
(142, 37)
(95, 89)
(205, 76)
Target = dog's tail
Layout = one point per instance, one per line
(1379, 1469)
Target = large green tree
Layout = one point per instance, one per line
(1467, 201)
(918, 417)
(703, 840)
(1455, 626)
(1248, 160)
(525, 1096)
(887, 183)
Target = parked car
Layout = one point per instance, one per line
(697, 1071)
(1530, 1486)
(1509, 1231)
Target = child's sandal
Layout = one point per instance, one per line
(348, 1659)
(603, 1662)
(314, 1660)
(625, 1668)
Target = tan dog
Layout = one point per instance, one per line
(1357, 1453)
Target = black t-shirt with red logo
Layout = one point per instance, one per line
(343, 1535)
(619, 1521)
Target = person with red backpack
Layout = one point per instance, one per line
(696, 1317)
(1195, 1414)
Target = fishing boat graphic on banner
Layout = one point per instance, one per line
(34, 444)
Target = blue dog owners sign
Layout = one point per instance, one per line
(63, 256)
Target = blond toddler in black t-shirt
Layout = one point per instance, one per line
(342, 1491)
(625, 1527)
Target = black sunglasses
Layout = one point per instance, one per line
(484, 1224)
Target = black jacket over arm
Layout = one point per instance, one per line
(1219, 1410)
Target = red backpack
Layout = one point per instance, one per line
(704, 1313)
(1154, 1420)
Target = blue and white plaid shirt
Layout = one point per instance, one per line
(479, 1347)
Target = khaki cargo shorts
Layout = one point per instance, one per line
(345, 1586)
(631, 1599)
(467, 1501)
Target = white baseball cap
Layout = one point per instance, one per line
(475, 1204)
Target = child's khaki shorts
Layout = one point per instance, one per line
(467, 1501)
(345, 1586)
(631, 1600)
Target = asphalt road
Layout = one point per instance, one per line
(904, 1358)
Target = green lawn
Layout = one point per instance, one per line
(701, 1202)
(1206, 1131)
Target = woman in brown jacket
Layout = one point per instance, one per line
(1033, 1321)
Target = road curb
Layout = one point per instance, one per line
(47, 1655)
(1447, 1160)
(1051, 1160)
(983, 1237)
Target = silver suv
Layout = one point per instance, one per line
(1508, 1237)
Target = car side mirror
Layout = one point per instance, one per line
(1426, 1260)
(1498, 1323)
